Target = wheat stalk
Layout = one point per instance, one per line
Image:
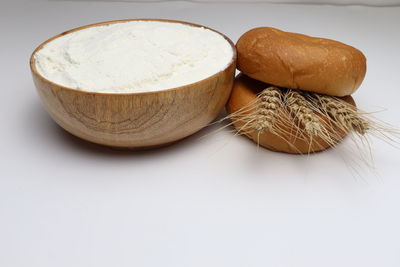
(313, 118)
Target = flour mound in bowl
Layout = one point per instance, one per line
(133, 57)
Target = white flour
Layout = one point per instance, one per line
(136, 56)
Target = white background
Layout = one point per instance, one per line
(211, 201)
(329, 2)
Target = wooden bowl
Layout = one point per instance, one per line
(136, 120)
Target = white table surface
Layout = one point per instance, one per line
(212, 201)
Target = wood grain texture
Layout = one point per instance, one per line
(135, 120)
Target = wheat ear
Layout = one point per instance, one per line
(299, 108)
(344, 115)
(269, 105)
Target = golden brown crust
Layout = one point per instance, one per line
(299, 61)
(245, 91)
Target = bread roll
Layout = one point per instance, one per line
(244, 93)
(299, 61)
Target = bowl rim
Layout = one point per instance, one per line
(32, 61)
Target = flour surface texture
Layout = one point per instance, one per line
(135, 56)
